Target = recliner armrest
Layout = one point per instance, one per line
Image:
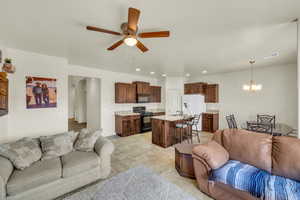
(213, 153)
(202, 172)
(6, 169)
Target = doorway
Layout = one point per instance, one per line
(84, 110)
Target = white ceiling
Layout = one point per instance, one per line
(215, 35)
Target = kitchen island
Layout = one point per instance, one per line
(163, 129)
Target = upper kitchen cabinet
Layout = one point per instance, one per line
(142, 88)
(155, 94)
(212, 93)
(125, 93)
(195, 88)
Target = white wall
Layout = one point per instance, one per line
(71, 98)
(174, 89)
(80, 104)
(33, 122)
(278, 96)
(93, 100)
(22, 122)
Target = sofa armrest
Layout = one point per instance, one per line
(202, 173)
(6, 169)
(104, 148)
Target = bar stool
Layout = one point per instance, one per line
(194, 123)
(181, 127)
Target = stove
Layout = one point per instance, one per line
(145, 118)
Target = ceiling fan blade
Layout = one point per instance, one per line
(141, 47)
(133, 18)
(155, 34)
(115, 45)
(92, 28)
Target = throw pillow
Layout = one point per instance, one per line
(56, 145)
(86, 140)
(213, 153)
(73, 136)
(22, 153)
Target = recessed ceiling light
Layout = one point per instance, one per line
(187, 75)
(152, 73)
(204, 72)
(164, 75)
(138, 69)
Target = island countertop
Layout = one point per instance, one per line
(170, 118)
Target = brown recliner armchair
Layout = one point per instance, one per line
(278, 155)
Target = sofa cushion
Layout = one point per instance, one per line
(37, 174)
(248, 147)
(86, 140)
(57, 145)
(257, 182)
(22, 153)
(77, 162)
(213, 153)
(286, 157)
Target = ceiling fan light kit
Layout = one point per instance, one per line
(130, 41)
(129, 32)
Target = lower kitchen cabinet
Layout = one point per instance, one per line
(127, 125)
(210, 122)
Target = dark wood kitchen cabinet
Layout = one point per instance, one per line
(125, 93)
(212, 93)
(210, 122)
(155, 94)
(127, 125)
(195, 88)
(142, 88)
(3, 94)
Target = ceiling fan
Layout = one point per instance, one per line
(129, 32)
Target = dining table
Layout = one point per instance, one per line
(280, 129)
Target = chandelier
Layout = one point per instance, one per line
(252, 87)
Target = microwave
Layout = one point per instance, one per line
(143, 98)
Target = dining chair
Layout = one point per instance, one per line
(231, 121)
(266, 119)
(260, 127)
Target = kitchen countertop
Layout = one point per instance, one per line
(156, 110)
(212, 112)
(130, 113)
(126, 113)
(169, 117)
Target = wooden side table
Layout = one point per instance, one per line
(184, 160)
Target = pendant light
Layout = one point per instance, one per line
(252, 87)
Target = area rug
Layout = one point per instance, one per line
(138, 183)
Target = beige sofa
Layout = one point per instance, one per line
(48, 179)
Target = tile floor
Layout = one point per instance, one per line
(139, 150)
